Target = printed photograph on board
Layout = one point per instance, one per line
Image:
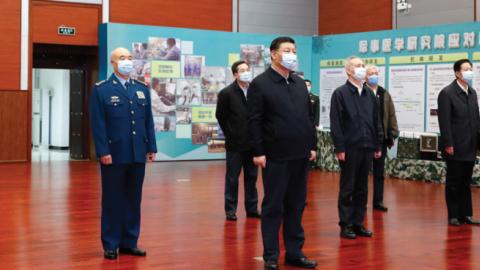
(138, 69)
(201, 132)
(141, 71)
(184, 115)
(209, 98)
(192, 66)
(162, 94)
(167, 49)
(213, 79)
(252, 54)
(164, 122)
(188, 92)
(139, 50)
(216, 145)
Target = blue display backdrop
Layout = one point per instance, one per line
(415, 64)
(185, 69)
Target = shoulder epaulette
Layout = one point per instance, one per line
(100, 82)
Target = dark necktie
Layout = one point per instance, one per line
(128, 87)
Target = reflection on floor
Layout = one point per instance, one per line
(40, 154)
(50, 219)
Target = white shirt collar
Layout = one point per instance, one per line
(359, 87)
(121, 80)
(461, 86)
(374, 89)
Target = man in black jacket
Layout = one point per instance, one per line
(232, 116)
(284, 139)
(459, 118)
(357, 136)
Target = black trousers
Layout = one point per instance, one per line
(457, 189)
(285, 185)
(353, 195)
(378, 177)
(121, 199)
(235, 162)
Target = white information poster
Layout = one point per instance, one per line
(330, 79)
(381, 76)
(438, 76)
(407, 88)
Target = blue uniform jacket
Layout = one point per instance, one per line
(122, 121)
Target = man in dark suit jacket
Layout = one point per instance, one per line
(459, 118)
(232, 115)
(123, 131)
(357, 136)
(284, 139)
(314, 102)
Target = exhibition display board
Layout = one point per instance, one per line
(415, 64)
(185, 69)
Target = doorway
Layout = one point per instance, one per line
(62, 78)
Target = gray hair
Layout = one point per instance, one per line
(348, 62)
(370, 66)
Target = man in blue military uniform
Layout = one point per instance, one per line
(123, 131)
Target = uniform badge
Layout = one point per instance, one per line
(114, 99)
(140, 95)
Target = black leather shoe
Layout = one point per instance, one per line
(302, 263)
(271, 265)
(454, 222)
(362, 231)
(348, 233)
(380, 207)
(471, 221)
(254, 215)
(231, 217)
(110, 254)
(133, 251)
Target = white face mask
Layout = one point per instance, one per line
(468, 76)
(359, 73)
(245, 76)
(309, 88)
(289, 61)
(125, 67)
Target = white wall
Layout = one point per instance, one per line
(55, 83)
(288, 17)
(432, 12)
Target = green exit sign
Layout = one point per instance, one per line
(66, 31)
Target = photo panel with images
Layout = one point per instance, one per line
(201, 132)
(213, 79)
(216, 145)
(188, 92)
(162, 94)
(138, 72)
(184, 115)
(167, 49)
(139, 51)
(164, 122)
(141, 71)
(209, 98)
(192, 65)
(252, 54)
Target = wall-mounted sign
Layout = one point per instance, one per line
(66, 31)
